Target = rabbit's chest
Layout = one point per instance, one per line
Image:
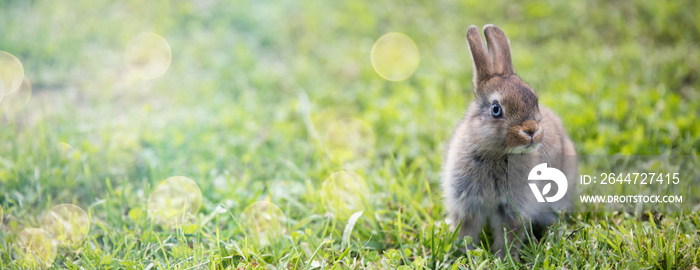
(487, 182)
(495, 190)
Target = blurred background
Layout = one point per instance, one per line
(241, 96)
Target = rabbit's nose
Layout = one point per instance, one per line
(530, 127)
(529, 132)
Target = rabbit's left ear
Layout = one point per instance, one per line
(499, 49)
(480, 58)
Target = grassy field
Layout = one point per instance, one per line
(253, 90)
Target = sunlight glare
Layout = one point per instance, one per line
(174, 201)
(395, 56)
(36, 248)
(11, 72)
(68, 224)
(2, 91)
(263, 223)
(15, 102)
(148, 56)
(344, 193)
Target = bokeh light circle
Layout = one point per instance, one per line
(263, 223)
(395, 56)
(344, 193)
(11, 72)
(174, 201)
(2, 91)
(36, 248)
(148, 55)
(349, 139)
(325, 118)
(68, 224)
(13, 103)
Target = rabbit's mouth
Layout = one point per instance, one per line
(526, 149)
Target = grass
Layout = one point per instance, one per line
(252, 89)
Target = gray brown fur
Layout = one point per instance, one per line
(474, 180)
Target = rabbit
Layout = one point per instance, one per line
(504, 119)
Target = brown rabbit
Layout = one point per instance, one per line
(503, 119)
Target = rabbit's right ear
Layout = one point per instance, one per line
(480, 58)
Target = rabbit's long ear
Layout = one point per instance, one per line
(499, 49)
(482, 63)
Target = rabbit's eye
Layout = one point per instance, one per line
(496, 110)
